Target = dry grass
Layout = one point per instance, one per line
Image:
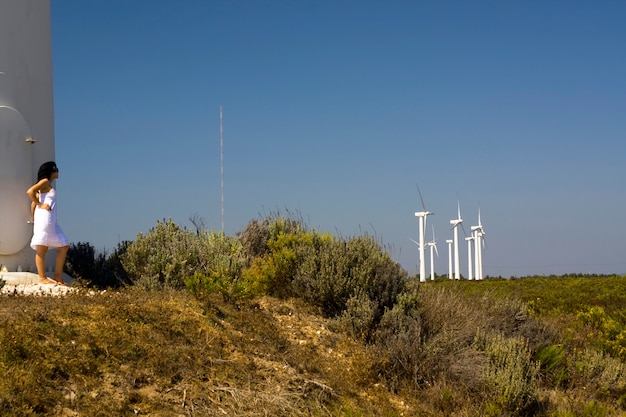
(166, 354)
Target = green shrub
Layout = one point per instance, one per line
(593, 367)
(168, 255)
(553, 364)
(221, 263)
(285, 259)
(81, 262)
(96, 269)
(230, 289)
(163, 257)
(272, 272)
(285, 250)
(257, 233)
(511, 374)
(398, 343)
(358, 318)
(271, 248)
(332, 271)
(116, 274)
(254, 238)
(607, 333)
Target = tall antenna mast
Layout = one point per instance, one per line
(222, 166)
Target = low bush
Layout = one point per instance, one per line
(398, 344)
(435, 334)
(169, 256)
(163, 257)
(608, 334)
(286, 259)
(511, 375)
(553, 364)
(590, 367)
(82, 263)
(357, 320)
(97, 270)
(221, 262)
(257, 234)
(336, 270)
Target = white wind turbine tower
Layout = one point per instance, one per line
(470, 268)
(433, 245)
(478, 233)
(421, 215)
(476, 246)
(449, 242)
(455, 223)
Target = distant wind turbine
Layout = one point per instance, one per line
(422, 215)
(455, 226)
(433, 245)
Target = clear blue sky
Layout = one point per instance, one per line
(336, 109)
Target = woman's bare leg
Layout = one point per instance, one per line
(40, 261)
(60, 263)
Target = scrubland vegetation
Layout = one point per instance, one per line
(284, 320)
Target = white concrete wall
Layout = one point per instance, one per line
(26, 112)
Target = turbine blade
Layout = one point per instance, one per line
(421, 198)
(464, 232)
(436, 251)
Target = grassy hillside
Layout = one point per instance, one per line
(135, 352)
(166, 353)
(282, 320)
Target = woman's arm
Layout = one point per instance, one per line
(32, 193)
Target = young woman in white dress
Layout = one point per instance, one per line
(46, 232)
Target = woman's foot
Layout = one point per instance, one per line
(59, 280)
(47, 281)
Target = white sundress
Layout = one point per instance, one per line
(46, 231)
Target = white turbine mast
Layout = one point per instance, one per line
(478, 233)
(422, 215)
(449, 242)
(483, 245)
(470, 267)
(455, 226)
(475, 230)
(433, 245)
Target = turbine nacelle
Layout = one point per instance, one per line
(423, 213)
(433, 245)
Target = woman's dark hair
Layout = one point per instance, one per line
(46, 169)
